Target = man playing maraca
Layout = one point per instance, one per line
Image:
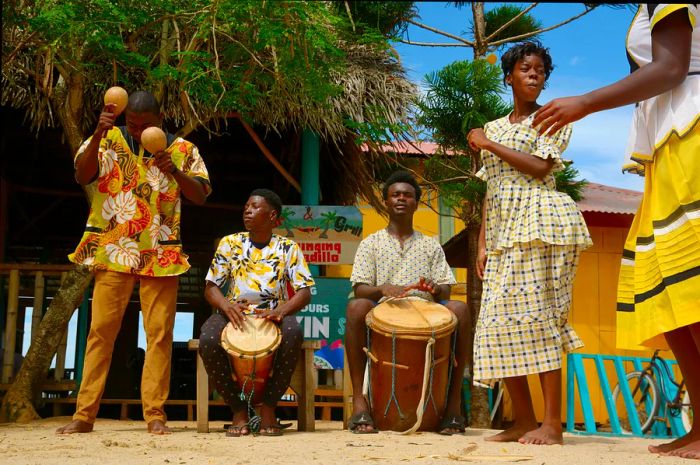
(133, 234)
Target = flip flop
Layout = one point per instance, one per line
(452, 422)
(271, 430)
(362, 418)
(237, 431)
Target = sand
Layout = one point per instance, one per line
(126, 442)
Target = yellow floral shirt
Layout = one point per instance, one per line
(259, 277)
(134, 220)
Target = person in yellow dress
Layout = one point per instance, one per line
(530, 242)
(658, 299)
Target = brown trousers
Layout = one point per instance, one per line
(109, 301)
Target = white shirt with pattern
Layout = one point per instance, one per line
(380, 259)
(259, 276)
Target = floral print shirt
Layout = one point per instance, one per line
(258, 277)
(134, 220)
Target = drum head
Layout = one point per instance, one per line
(257, 337)
(411, 316)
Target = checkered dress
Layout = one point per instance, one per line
(534, 236)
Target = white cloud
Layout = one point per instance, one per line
(575, 60)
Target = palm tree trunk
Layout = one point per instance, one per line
(480, 407)
(18, 403)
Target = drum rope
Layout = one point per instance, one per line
(393, 378)
(369, 367)
(421, 403)
(430, 382)
(254, 419)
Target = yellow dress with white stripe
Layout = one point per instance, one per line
(659, 286)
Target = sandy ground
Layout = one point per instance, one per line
(126, 442)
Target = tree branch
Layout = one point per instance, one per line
(430, 44)
(438, 31)
(539, 31)
(511, 21)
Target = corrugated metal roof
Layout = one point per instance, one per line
(608, 199)
(412, 148)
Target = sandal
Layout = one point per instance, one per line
(362, 418)
(454, 422)
(236, 431)
(271, 430)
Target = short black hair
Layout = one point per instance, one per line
(520, 51)
(401, 176)
(143, 101)
(270, 197)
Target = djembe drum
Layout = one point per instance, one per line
(251, 352)
(410, 354)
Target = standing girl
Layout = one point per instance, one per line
(658, 298)
(530, 241)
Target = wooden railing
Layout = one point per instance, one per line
(39, 273)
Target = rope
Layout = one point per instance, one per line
(419, 410)
(254, 419)
(393, 378)
(430, 383)
(369, 368)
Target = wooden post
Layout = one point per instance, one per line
(202, 390)
(61, 351)
(38, 310)
(11, 327)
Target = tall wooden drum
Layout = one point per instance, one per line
(252, 352)
(410, 352)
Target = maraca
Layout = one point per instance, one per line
(117, 95)
(153, 139)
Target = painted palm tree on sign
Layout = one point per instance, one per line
(284, 218)
(328, 221)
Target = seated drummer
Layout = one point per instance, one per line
(256, 265)
(394, 262)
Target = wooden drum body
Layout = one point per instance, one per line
(252, 352)
(401, 330)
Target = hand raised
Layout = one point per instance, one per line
(106, 120)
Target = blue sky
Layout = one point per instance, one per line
(588, 53)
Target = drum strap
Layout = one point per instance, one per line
(426, 375)
(430, 382)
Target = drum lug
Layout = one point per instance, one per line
(370, 355)
(396, 365)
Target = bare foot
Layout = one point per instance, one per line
(158, 427)
(75, 426)
(669, 446)
(512, 434)
(544, 435)
(689, 451)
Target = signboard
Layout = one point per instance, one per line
(328, 235)
(324, 319)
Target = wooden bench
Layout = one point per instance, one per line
(302, 384)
